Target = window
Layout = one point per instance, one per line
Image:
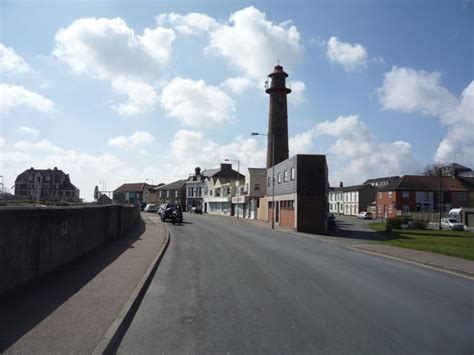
(279, 178)
(406, 208)
(406, 194)
(390, 194)
(462, 196)
(380, 195)
(292, 173)
(390, 209)
(30, 178)
(168, 193)
(285, 176)
(257, 187)
(48, 178)
(176, 193)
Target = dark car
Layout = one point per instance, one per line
(196, 210)
(142, 206)
(168, 211)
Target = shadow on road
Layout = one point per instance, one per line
(24, 307)
(346, 229)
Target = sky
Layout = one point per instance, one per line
(145, 91)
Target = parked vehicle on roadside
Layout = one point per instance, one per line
(161, 209)
(151, 207)
(451, 224)
(142, 206)
(197, 210)
(364, 215)
(168, 211)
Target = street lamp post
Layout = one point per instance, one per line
(238, 180)
(273, 173)
(150, 180)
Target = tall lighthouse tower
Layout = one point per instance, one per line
(277, 117)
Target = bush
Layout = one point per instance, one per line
(396, 222)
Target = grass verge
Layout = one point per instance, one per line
(458, 244)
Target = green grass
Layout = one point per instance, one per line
(455, 243)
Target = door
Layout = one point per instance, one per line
(277, 212)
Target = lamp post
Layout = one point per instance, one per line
(273, 173)
(238, 179)
(150, 180)
(103, 182)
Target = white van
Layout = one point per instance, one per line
(151, 207)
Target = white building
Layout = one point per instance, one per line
(336, 200)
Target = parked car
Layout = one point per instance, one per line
(151, 207)
(331, 221)
(161, 209)
(168, 211)
(451, 224)
(364, 215)
(142, 206)
(197, 210)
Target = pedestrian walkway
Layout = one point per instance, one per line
(70, 310)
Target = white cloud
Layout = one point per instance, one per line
(196, 104)
(44, 146)
(142, 98)
(10, 62)
(408, 90)
(350, 56)
(29, 131)
(107, 48)
(137, 140)
(252, 44)
(12, 96)
(2, 142)
(190, 24)
(356, 155)
(297, 92)
(237, 85)
(190, 149)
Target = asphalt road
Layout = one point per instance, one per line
(227, 287)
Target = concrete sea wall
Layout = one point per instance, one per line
(35, 240)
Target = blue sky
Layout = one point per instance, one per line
(127, 91)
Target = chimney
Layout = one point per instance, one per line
(226, 166)
(341, 184)
(197, 171)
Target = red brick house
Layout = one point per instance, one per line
(416, 193)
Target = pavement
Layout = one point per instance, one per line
(76, 308)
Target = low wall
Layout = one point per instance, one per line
(35, 240)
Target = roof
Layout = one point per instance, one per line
(427, 183)
(57, 177)
(356, 187)
(382, 179)
(132, 187)
(225, 171)
(258, 171)
(175, 185)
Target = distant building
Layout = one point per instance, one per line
(419, 193)
(300, 194)
(247, 202)
(46, 185)
(134, 193)
(219, 187)
(174, 193)
(194, 190)
(336, 200)
(356, 198)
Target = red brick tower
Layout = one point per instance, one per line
(277, 117)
